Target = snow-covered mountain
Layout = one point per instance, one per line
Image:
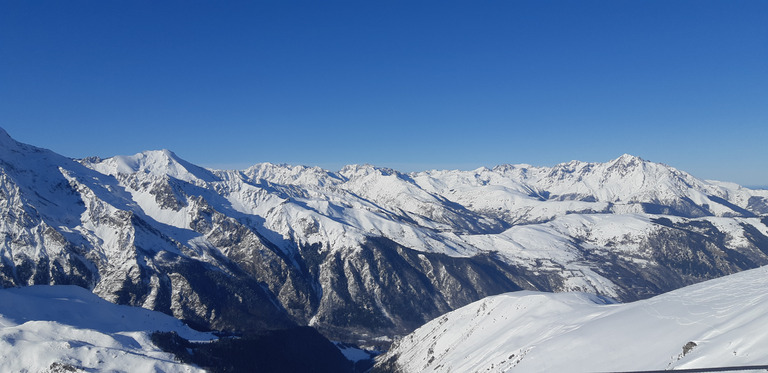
(366, 253)
(718, 323)
(63, 223)
(69, 329)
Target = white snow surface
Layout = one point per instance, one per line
(725, 319)
(42, 327)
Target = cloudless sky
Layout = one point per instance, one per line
(411, 85)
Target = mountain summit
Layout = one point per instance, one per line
(156, 163)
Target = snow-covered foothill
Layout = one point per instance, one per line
(717, 323)
(45, 328)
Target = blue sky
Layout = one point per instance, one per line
(405, 84)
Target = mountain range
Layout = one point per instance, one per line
(366, 254)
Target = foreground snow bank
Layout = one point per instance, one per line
(67, 328)
(712, 324)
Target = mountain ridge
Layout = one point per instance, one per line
(625, 164)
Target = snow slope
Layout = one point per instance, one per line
(45, 328)
(716, 323)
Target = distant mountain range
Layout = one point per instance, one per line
(365, 254)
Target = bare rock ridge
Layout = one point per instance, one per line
(364, 254)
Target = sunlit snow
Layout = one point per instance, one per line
(49, 326)
(717, 323)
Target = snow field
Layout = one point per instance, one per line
(42, 326)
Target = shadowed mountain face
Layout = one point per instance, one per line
(366, 253)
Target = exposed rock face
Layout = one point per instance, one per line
(364, 254)
(389, 288)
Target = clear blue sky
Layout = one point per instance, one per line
(406, 84)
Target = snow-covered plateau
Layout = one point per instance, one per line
(714, 324)
(364, 254)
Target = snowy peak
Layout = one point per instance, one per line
(155, 163)
(12, 149)
(619, 167)
(522, 193)
(629, 180)
(357, 171)
(627, 164)
(284, 174)
(627, 160)
(41, 181)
